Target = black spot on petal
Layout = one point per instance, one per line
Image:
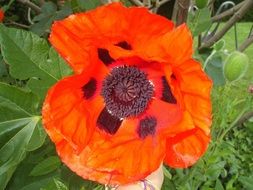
(173, 77)
(89, 89)
(124, 45)
(167, 95)
(108, 122)
(147, 126)
(104, 56)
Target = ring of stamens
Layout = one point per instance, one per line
(126, 91)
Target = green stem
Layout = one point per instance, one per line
(232, 124)
(208, 59)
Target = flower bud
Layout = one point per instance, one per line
(235, 66)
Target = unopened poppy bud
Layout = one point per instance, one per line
(235, 66)
(1, 15)
(201, 3)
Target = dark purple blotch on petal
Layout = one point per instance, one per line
(108, 123)
(173, 77)
(147, 126)
(124, 45)
(104, 56)
(167, 95)
(89, 89)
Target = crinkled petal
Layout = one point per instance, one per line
(78, 37)
(69, 113)
(193, 80)
(192, 88)
(195, 88)
(184, 149)
(167, 115)
(115, 159)
(177, 45)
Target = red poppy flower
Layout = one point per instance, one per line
(137, 97)
(1, 15)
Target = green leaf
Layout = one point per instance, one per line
(214, 69)
(4, 178)
(33, 59)
(60, 185)
(38, 138)
(30, 53)
(7, 126)
(230, 184)
(13, 152)
(15, 100)
(3, 69)
(47, 9)
(167, 173)
(48, 14)
(100, 187)
(247, 182)
(168, 185)
(38, 184)
(213, 171)
(75, 182)
(56, 65)
(46, 166)
(18, 120)
(88, 4)
(200, 21)
(218, 185)
(201, 3)
(21, 179)
(220, 45)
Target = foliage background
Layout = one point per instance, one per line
(29, 66)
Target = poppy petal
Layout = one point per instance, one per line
(192, 88)
(165, 122)
(114, 159)
(177, 45)
(147, 28)
(104, 27)
(185, 124)
(190, 73)
(172, 47)
(184, 149)
(195, 89)
(65, 110)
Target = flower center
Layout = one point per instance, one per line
(126, 91)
